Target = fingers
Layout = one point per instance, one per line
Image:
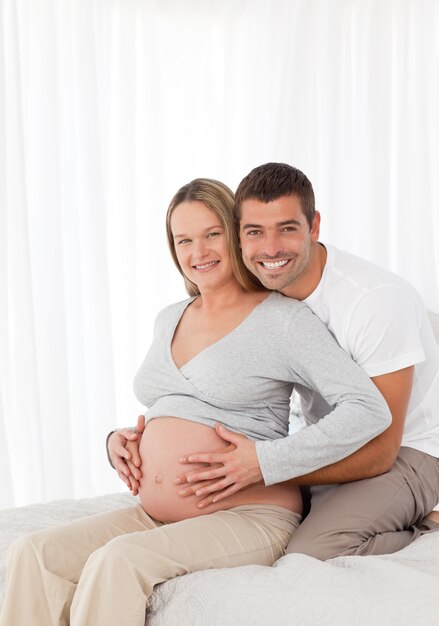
(188, 477)
(126, 475)
(124, 478)
(133, 485)
(134, 471)
(204, 458)
(127, 433)
(133, 450)
(123, 444)
(228, 435)
(121, 452)
(217, 485)
(230, 448)
(140, 426)
(191, 490)
(206, 474)
(121, 458)
(122, 468)
(218, 496)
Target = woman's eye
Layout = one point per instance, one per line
(213, 234)
(182, 241)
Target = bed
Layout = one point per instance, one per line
(397, 589)
(400, 589)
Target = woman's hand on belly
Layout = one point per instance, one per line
(231, 470)
(123, 453)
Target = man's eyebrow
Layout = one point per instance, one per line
(284, 223)
(252, 226)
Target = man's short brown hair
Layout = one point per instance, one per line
(271, 181)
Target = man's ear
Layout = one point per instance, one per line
(315, 227)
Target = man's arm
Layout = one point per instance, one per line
(379, 455)
(374, 458)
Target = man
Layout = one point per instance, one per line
(381, 322)
(376, 500)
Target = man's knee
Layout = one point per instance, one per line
(324, 546)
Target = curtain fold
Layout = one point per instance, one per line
(107, 107)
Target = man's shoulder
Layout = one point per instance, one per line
(349, 269)
(348, 279)
(357, 299)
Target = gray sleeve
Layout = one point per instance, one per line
(359, 412)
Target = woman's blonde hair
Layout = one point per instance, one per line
(219, 199)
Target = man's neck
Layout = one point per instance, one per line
(307, 282)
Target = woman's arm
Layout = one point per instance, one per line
(356, 414)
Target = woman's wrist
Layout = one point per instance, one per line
(106, 446)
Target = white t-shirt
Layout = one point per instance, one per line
(381, 322)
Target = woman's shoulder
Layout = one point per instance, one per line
(283, 305)
(277, 314)
(173, 311)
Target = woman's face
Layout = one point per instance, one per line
(201, 246)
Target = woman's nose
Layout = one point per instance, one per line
(199, 249)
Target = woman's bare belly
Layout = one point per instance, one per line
(164, 441)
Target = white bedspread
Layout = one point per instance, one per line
(399, 589)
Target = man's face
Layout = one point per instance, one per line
(276, 241)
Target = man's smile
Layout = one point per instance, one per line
(274, 265)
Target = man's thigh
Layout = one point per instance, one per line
(373, 516)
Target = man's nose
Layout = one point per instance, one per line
(271, 244)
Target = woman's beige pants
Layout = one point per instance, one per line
(101, 570)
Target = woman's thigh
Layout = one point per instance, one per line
(64, 549)
(239, 536)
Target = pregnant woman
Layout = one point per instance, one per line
(231, 353)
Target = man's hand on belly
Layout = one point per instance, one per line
(233, 470)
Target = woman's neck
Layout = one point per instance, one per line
(222, 298)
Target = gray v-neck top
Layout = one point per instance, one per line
(245, 381)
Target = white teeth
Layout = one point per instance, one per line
(206, 265)
(274, 264)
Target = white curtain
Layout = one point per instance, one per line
(108, 106)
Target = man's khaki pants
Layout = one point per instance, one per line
(101, 570)
(377, 515)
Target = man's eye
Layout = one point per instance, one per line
(289, 229)
(253, 233)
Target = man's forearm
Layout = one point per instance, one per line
(379, 454)
(371, 460)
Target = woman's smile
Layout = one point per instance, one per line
(205, 266)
